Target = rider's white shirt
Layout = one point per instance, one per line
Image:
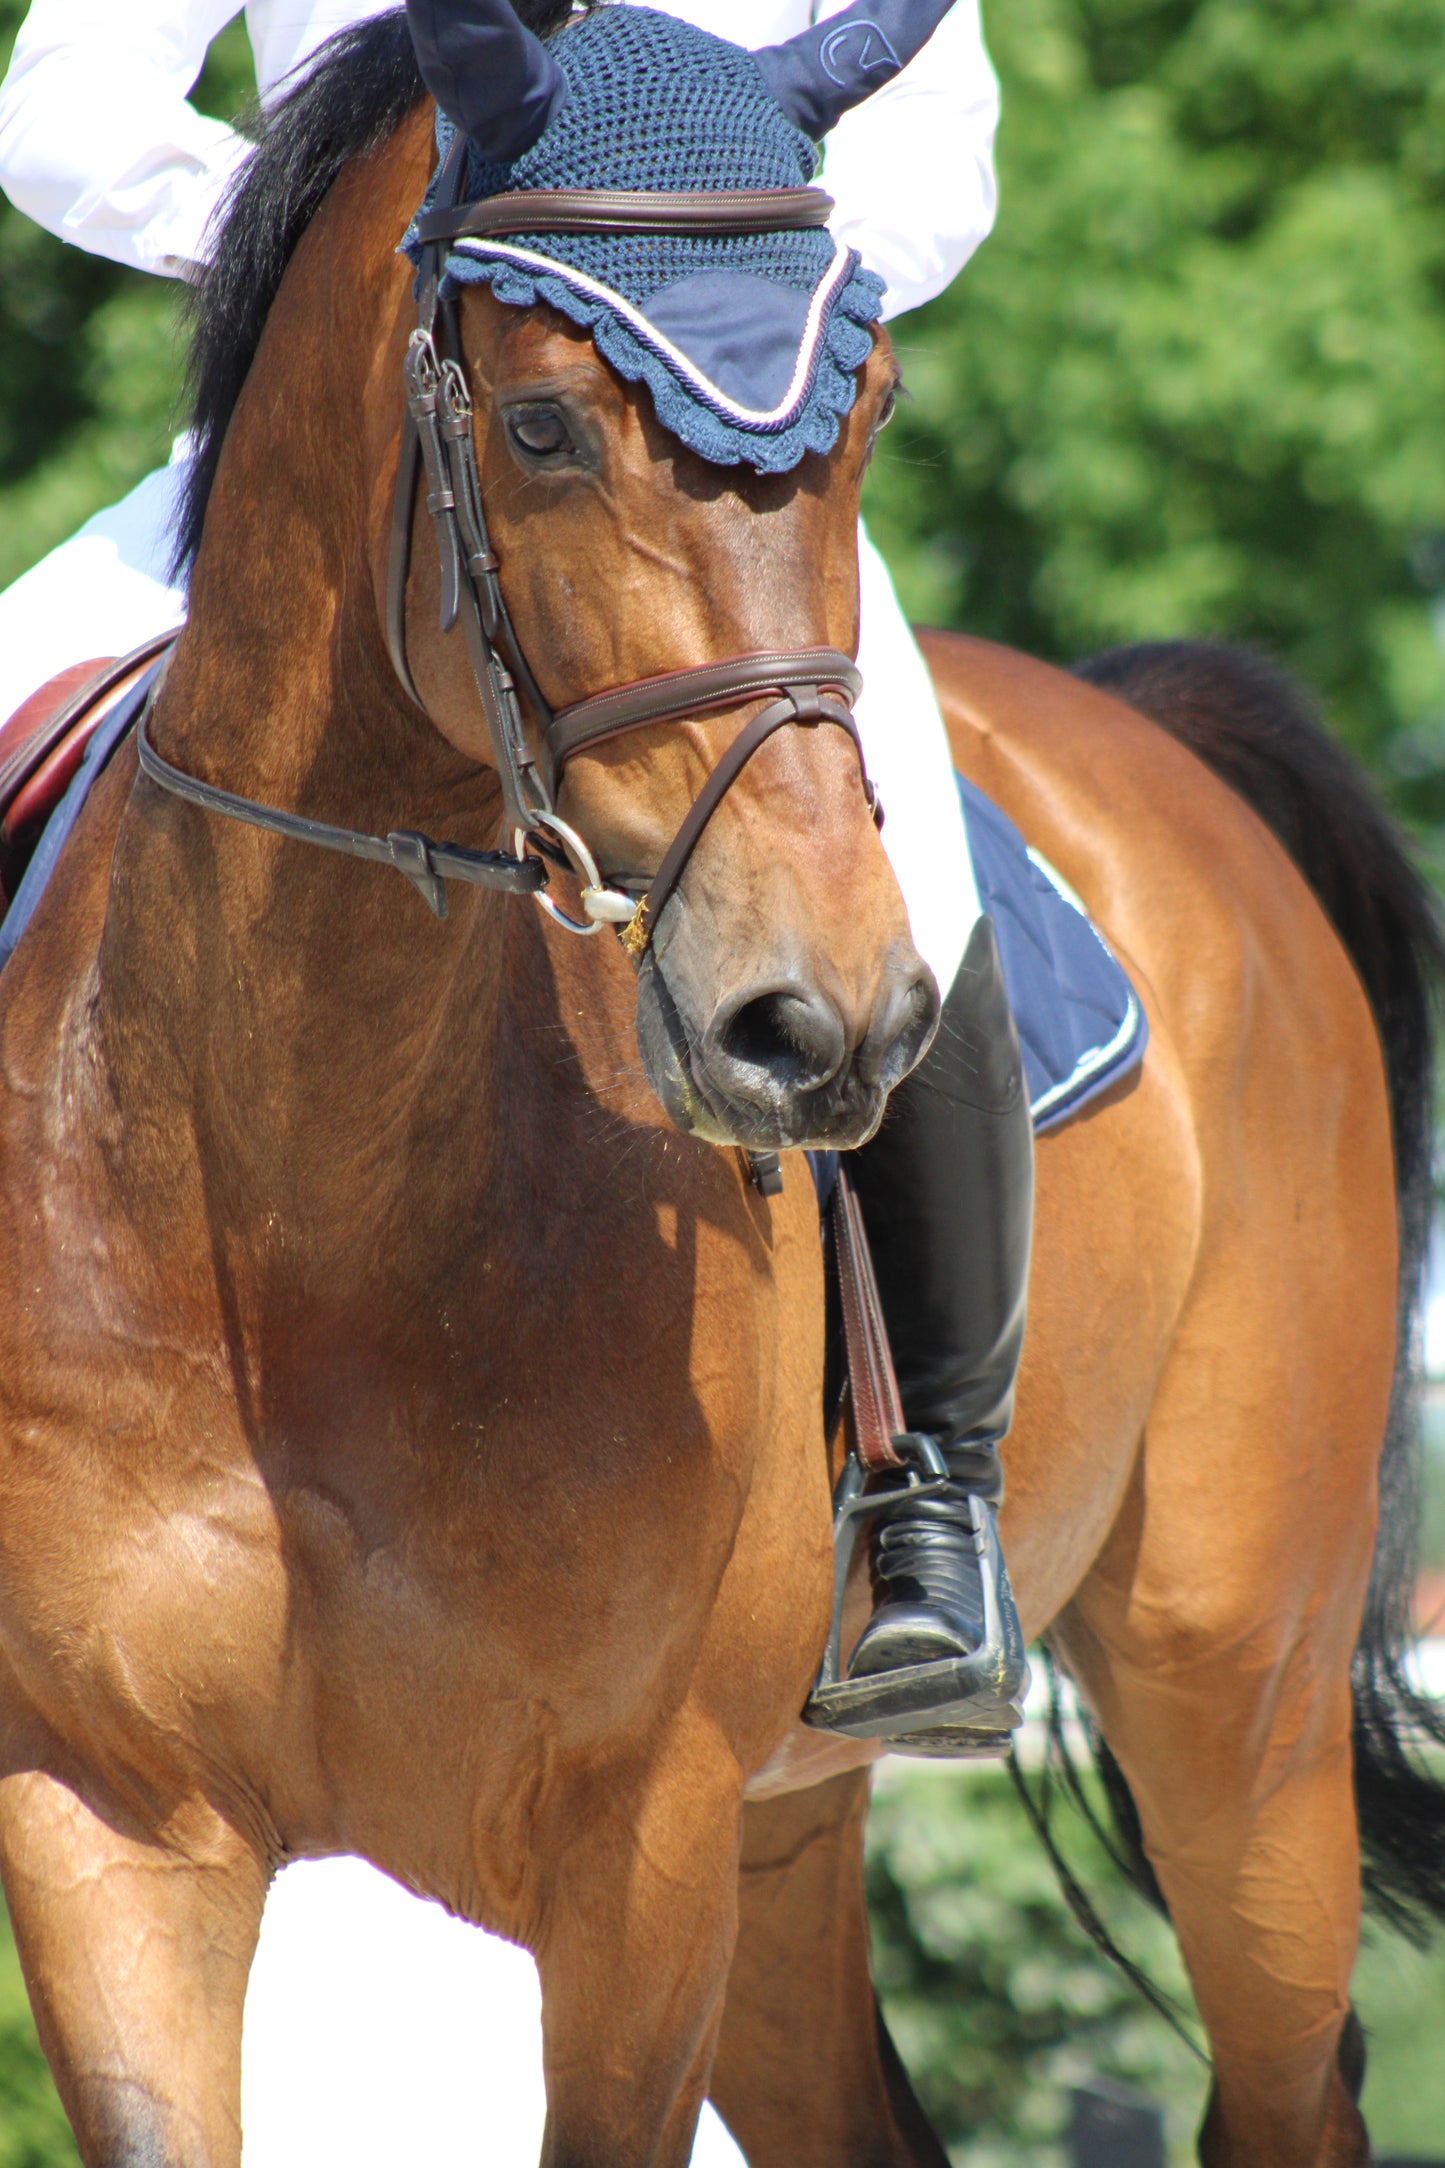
(99, 143)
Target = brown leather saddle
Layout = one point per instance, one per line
(42, 744)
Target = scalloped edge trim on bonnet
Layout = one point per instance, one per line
(847, 303)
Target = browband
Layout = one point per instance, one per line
(625, 210)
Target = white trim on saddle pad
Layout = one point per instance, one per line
(1096, 1057)
(1081, 1025)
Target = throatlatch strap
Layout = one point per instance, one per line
(426, 862)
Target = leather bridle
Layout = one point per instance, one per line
(808, 685)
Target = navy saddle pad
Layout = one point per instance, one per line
(1081, 1025)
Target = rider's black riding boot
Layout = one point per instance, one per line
(946, 1189)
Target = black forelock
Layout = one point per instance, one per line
(355, 95)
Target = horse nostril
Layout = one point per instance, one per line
(795, 1039)
(901, 1026)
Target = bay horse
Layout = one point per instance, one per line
(413, 1442)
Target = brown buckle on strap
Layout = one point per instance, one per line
(629, 210)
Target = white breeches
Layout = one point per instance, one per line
(908, 758)
(378, 2029)
(107, 589)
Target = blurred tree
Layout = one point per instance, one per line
(1192, 384)
(998, 2004)
(89, 364)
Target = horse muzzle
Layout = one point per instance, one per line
(785, 1059)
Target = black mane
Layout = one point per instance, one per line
(356, 95)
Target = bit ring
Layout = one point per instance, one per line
(603, 906)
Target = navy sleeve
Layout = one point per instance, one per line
(819, 74)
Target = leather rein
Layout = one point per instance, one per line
(807, 685)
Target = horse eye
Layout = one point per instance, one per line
(540, 431)
(885, 416)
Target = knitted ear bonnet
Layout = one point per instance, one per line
(749, 344)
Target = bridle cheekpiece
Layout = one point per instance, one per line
(805, 686)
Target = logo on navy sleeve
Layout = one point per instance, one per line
(857, 49)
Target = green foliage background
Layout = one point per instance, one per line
(33, 2129)
(1192, 385)
(998, 2004)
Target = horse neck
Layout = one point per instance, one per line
(333, 1041)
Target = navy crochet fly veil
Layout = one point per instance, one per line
(748, 343)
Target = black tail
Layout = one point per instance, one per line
(1258, 730)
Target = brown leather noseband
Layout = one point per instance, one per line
(807, 685)
(816, 685)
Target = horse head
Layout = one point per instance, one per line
(644, 381)
(780, 997)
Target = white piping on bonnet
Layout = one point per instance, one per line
(663, 348)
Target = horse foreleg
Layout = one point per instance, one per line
(136, 1955)
(805, 2076)
(636, 1910)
